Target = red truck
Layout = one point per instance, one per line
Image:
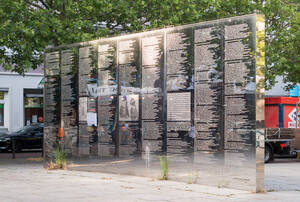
(282, 127)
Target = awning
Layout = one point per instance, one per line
(4, 89)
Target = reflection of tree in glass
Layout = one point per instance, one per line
(216, 35)
(187, 64)
(135, 75)
(93, 66)
(111, 68)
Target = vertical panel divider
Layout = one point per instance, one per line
(164, 94)
(140, 137)
(260, 102)
(77, 99)
(61, 124)
(117, 149)
(117, 138)
(96, 55)
(44, 104)
(193, 124)
(223, 132)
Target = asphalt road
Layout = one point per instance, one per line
(283, 175)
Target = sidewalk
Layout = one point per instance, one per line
(28, 181)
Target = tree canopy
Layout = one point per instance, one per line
(28, 26)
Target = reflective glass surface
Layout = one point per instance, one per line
(189, 97)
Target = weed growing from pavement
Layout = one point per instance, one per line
(189, 178)
(196, 176)
(164, 166)
(219, 184)
(192, 178)
(60, 158)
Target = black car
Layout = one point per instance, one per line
(28, 137)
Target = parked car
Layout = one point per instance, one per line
(28, 137)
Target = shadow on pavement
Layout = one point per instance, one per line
(20, 155)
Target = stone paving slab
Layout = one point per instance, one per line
(215, 175)
(18, 155)
(29, 181)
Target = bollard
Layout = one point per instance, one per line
(13, 149)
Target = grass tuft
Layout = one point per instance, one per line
(60, 159)
(164, 166)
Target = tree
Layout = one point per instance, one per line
(28, 26)
(282, 48)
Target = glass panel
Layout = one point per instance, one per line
(52, 102)
(129, 97)
(179, 93)
(87, 93)
(69, 94)
(152, 90)
(107, 99)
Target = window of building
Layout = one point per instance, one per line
(33, 110)
(1, 108)
(1, 114)
(33, 106)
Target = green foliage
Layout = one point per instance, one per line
(189, 178)
(28, 26)
(192, 177)
(60, 158)
(164, 166)
(282, 40)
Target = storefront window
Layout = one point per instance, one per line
(33, 110)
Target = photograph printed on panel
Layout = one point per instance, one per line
(129, 108)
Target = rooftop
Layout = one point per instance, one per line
(38, 70)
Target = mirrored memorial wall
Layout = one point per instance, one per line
(183, 91)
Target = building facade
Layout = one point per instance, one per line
(21, 98)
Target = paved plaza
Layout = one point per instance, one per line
(25, 179)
